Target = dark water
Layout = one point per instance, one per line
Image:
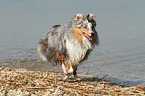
(121, 29)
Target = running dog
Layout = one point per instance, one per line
(69, 45)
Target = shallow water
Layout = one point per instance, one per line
(120, 27)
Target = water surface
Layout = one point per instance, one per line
(120, 27)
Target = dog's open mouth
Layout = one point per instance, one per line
(89, 37)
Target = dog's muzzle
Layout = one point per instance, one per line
(91, 36)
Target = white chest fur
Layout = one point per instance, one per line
(76, 49)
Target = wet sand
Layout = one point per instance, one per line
(25, 78)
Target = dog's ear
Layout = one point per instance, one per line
(91, 18)
(78, 18)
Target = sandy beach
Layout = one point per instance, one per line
(23, 82)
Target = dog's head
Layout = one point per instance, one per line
(83, 27)
(91, 18)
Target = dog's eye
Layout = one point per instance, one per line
(85, 27)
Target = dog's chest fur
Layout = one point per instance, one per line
(77, 49)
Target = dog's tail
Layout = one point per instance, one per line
(42, 49)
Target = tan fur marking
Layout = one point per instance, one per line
(79, 33)
(82, 17)
(91, 25)
(75, 21)
(85, 25)
(92, 17)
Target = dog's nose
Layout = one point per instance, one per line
(92, 34)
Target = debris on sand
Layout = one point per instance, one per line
(14, 82)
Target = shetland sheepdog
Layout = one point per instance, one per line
(69, 45)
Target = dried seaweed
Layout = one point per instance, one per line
(49, 83)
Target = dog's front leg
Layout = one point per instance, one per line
(64, 70)
(68, 69)
(63, 67)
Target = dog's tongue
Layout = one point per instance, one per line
(88, 37)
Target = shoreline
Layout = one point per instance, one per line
(20, 81)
